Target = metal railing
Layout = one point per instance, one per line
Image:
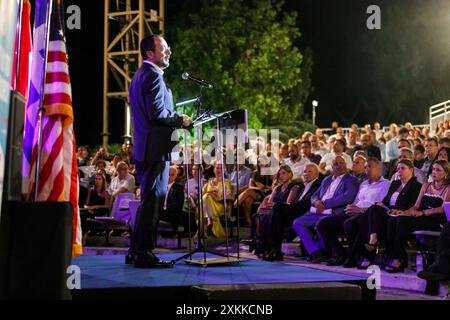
(439, 113)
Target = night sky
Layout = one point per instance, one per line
(346, 69)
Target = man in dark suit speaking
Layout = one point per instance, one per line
(154, 121)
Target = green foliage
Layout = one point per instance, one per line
(294, 129)
(246, 49)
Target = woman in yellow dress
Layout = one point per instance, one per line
(213, 207)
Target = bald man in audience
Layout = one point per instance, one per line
(334, 194)
(371, 191)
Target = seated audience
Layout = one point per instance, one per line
(124, 182)
(338, 150)
(254, 192)
(444, 142)
(316, 147)
(365, 232)
(100, 165)
(113, 166)
(444, 154)
(213, 203)
(426, 214)
(419, 156)
(391, 166)
(370, 192)
(172, 209)
(83, 156)
(358, 167)
(97, 203)
(98, 198)
(244, 178)
(407, 154)
(307, 153)
(334, 194)
(296, 162)
(101, 154)
(191, 185)
(283, 214)
(431, 151)
(352, 143)
(440, 269)
(282, 191)
(367, 146)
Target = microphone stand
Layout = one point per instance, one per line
(201, 240)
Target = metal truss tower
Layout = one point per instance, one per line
(127, 22)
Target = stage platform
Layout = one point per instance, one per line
(106, 276)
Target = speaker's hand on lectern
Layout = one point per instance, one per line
(186, 121)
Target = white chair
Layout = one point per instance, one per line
(120, 218)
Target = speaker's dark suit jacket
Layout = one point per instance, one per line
(154, 121)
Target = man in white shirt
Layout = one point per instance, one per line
(296, 162)
(316, 148)
(371, 191)
(123, 182)
(338, 150)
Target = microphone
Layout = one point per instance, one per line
(203, 83)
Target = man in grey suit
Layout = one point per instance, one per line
(154, 121)
(334, 194)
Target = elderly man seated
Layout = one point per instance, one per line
(172, 210)
(334, 194)
(123, 182)
(284, 214)
(371, 191)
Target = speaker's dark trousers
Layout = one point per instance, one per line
(153, 178)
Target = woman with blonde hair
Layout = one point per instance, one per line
(213, 202)
(283, 190)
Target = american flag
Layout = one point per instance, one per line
(58, 170)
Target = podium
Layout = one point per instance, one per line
(236, 121)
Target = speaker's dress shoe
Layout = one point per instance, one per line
(274, 256)
(149, 260)
(433, 276)
(318, 257)
(349, 263)
(130, 258)
(336, 261)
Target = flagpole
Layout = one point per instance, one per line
(41, 107)
(18, 42)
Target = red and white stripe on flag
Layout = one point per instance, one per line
(58, 170)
